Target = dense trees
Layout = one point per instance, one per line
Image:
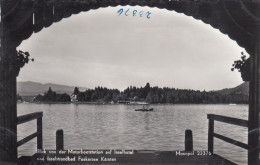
(99, 94)
(51, 96)
(159, 95)
(175, 96)
(148, 94)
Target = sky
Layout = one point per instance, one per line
(102, 48)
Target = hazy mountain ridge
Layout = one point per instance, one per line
(242, 89)
(30, 88)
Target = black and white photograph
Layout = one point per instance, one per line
(134, 82)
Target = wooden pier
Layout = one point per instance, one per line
(61, 156)
(137, 156)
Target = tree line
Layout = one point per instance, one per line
(153, 95)
(51, 96)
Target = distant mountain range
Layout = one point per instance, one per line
(30, 88)
(242, 89)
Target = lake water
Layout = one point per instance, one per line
(119, 127)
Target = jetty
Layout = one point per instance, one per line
(187, 156)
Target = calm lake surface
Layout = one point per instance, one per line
(119, 127)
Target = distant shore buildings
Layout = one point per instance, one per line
(74, 97)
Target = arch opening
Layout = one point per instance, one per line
(171, 37)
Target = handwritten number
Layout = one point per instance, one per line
(134, 12)
(127, 12)
(120, 11)
(148, 14)
(141, 13)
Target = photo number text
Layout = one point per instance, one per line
(134, 13)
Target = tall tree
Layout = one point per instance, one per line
(76, 91)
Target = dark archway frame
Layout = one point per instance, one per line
(239, 19)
